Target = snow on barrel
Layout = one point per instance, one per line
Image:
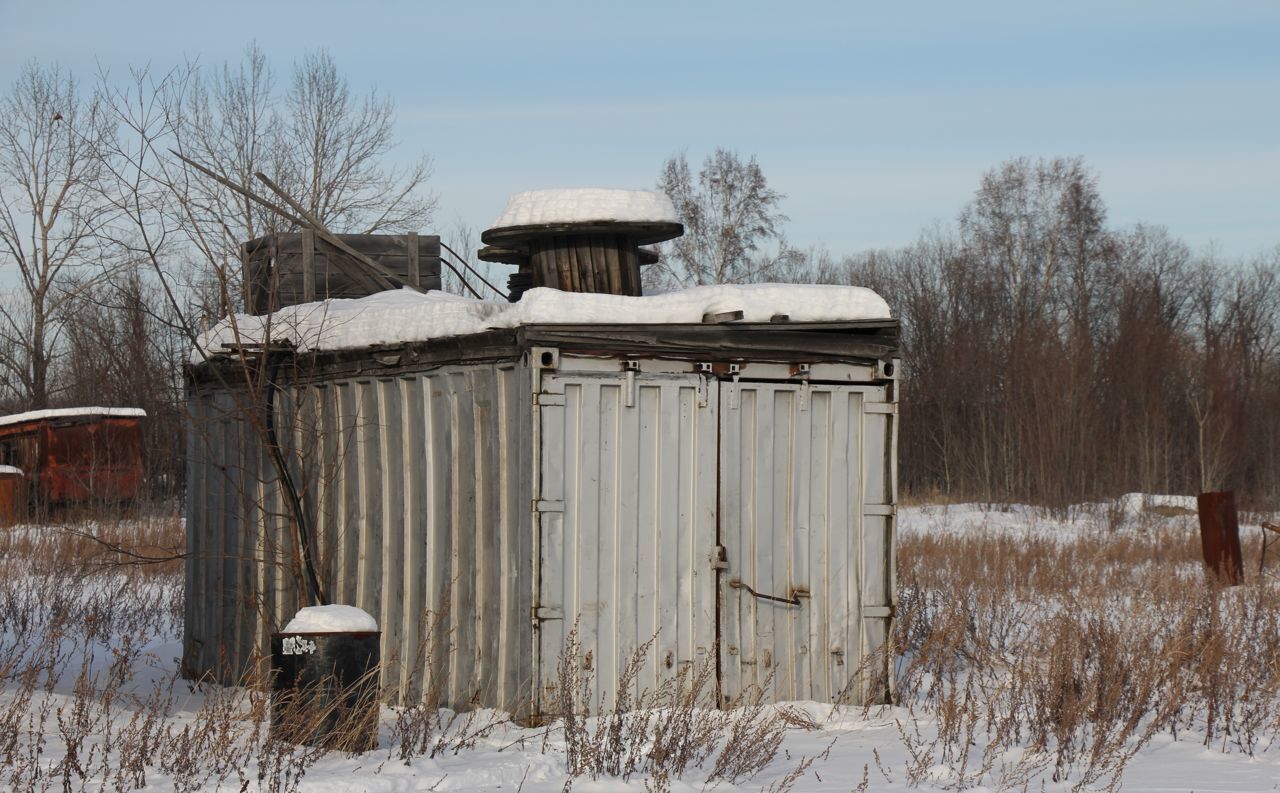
(331, 619)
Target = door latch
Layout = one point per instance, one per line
(721, 560)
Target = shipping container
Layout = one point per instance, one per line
(75, 456)
(720, 495)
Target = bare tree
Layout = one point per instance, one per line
(732, 225)
(327, 151)
(324, 145)
(52, 144)
(123, 349)
(335, 148)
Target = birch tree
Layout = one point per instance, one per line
(733, 229)
(51, 210)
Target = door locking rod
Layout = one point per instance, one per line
(794, 594)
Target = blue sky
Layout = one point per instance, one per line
(875, 119)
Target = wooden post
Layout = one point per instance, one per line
(1220, 537)
(415, 275)
(308, 269)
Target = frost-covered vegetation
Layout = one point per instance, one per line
(1035, 653)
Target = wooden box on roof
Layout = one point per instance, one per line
(287, 269)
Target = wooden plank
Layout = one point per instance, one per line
(413, 276)
(578, 266)
(566, 270)
(599, 267)
(629, 262)
(357, 271)
(577, 281)
(429, 255)
(584, 270)
(591, 268)
(282, 279)
(613, 265)
(546, 272)
(308, 266)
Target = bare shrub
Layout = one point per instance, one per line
(665, 733)
(422, 727)
(1078, 649)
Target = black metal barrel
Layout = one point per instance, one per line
(324, 689)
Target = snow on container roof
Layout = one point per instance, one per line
(403, 315)
(62, 413)
(586, 205)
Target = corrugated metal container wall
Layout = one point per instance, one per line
(222, 512)
(807, 500)
(738, 516)
(627, 514)
(420, 501)
(752, 516)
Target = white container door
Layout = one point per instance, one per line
(626, 515)
(806, 525)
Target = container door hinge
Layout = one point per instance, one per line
(704, 372)
(545, 400)
(547, 613)
(541, 505)
(878, 612)
(802, 397)
(630, 368)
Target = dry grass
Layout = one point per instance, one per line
(83, 706)
(154, 545)
(1077, 651)
(1022, 658)
(669, 733)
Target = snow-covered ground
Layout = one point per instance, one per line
(91, 701)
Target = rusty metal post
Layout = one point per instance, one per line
(1220, 537)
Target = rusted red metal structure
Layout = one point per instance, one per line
(1220, 536)
(13, 495)
(75, 455)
